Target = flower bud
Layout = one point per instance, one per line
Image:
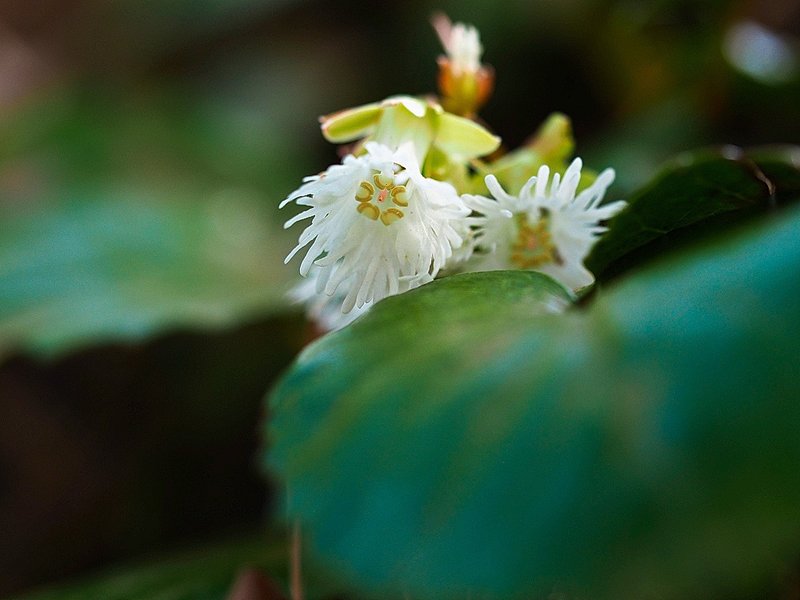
(464, 83)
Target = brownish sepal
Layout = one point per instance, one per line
(464, 93)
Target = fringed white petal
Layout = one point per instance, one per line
(555, 226)
(378, 226)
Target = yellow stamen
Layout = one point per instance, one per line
(369, 210)
(381, 181)
(365, 191)
(390, 215)
(534, 244)
(399, 196)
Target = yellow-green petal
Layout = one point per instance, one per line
(351, 124)
(462, 138)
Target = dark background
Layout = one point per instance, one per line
(131, 438)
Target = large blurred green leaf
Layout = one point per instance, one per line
(121, 215)
(117, 264)
(459, 439)
(695, 194)
(204, 574)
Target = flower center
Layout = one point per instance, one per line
(534, 244)
(380, 197)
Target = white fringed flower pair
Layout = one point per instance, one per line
(379, 227)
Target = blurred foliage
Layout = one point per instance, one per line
(110, 267)
(129, 216)
(120, 449)
(204, 574)
(144, 148)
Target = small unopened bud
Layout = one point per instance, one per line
(464, 83)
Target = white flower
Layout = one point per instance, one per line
(461, 43)
(378, 227)
(547, 229)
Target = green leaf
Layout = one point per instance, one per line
(205, 574)
(461, 439)
(122, 215)
(118, 264)
(696, 194)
